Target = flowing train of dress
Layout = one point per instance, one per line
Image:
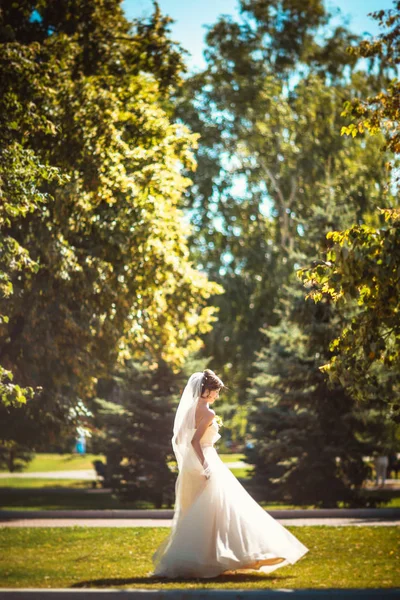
(220, 527)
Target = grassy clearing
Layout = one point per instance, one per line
(60, 462)
(226, 458)
(84, 557)
(43, 462)
(241, 473)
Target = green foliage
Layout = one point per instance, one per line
(361, 276)
(14, 456)
(379, 112)
(134, 421)
(309, 438)
(274, 175)
(361, 270)
(133, 424)
(28, 74)
(94, 264)
(12, 394)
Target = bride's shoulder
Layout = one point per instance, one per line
(204, 413)
(205, 410)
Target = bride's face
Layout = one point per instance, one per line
(211, 395)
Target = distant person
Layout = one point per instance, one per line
(381, 466)
(80, 446)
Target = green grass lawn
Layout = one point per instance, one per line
(241, 473)
(43, 462)
(84, 557)
(231, 457)
(60, 462)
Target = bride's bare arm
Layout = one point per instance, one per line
(205, 421)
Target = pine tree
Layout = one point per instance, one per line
(134, 429)
(309, 438)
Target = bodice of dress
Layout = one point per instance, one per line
(210, 435)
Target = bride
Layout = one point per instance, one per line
(217, 526)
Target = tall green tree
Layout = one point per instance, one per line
(95, 261)
(133, 428)
(311, 434)
(273, 169)
(23, 174)
(360, 273)
(309, 438)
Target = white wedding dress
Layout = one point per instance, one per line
(220, 527)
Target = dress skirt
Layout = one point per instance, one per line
(222, 528)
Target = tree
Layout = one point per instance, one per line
(133, 428)
(361, 276)
(300, 450)
(22, 174)
(309, 439)
(133, 422)
(92, 213)
(380, 112)
(360, 273)
(271, 162)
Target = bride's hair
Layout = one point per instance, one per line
(211, 381)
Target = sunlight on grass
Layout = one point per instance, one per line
(60, 462)
(120, 558)
(241, 473)
(226, 458)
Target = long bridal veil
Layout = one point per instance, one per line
(188, 462)
(184, 423)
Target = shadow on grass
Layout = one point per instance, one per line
(239, 578)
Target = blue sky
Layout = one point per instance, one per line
(191, 17)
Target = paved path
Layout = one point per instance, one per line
(200, 594)
(163, 518)
(167, 522)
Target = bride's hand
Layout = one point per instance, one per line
(206, 470)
